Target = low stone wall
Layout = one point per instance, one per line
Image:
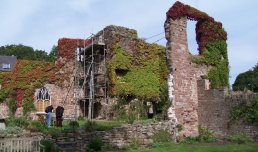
(117, 137)
(214, 111)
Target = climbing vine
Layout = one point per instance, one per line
(211, 39)
(20, 84)
(141, 74)
(246, 111)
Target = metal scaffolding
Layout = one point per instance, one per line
(93, 81)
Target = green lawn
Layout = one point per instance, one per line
(170, 147)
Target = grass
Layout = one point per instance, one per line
(212, 147)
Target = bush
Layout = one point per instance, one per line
(240, 139)
(10, 131)
(12, 106)
(90, 126)
(135, 143)
(48, 146)
(36, 126)
(94, 145)
(161, 136)
(130, 118)
(73, 125)
(205, 135)
(190, 140)
(19, 122)
(53, 131)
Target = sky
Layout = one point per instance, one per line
(40, 23)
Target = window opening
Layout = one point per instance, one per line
(43, 99)
(191, 38)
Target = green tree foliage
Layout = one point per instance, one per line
(247, 80)
(53, 53)
(28, 53)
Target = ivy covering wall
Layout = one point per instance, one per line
(141, 74)
(20, 84)
(211, 39)
(137, 73)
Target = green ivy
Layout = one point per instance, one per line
(3, 95)
(27, 106)
(215, 55)
(246, 111)
(143, 73)
(11, 106)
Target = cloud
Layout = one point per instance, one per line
(40, 23)
(14, 15)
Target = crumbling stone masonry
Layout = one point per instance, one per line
(199, 96)
(185, 75)
(214, 107)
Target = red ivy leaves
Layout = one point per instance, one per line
(67, 47)
(19, 97)
(207, 29)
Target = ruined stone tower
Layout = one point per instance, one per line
(184, 71)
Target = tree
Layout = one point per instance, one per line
(53, 53)
(247, 80)
(28, 53)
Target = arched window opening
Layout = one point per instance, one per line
(43, 99)
(191, 38)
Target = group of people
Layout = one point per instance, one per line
(59, 115)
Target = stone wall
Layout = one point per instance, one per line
(64, 92)
(4, 110)
(117, 137)
(185, 75)
(214, 110)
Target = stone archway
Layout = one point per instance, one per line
(183, 68)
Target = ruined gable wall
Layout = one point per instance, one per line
(64, 91)
(185, 73)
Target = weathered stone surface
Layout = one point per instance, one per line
(3, 110)
(185, 75)
(117, 137)
(214, 111)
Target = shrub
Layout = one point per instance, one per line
(72, 127)
(94, 145)
(240, 139)
(190, 140)
(135, 143)
(74, 124)
(12, 106)
(80, 118)
(90, 126)
(36, 126)
(53, 131)
(130, 117)
(205, 135)
(10, 131)
(19, 122)
(48, 146)
(161, 136)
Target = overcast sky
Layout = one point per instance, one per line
(40, 23)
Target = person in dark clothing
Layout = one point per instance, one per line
(49, 110)
(59, 115)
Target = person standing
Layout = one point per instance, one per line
(59, 115)
(49, 110)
